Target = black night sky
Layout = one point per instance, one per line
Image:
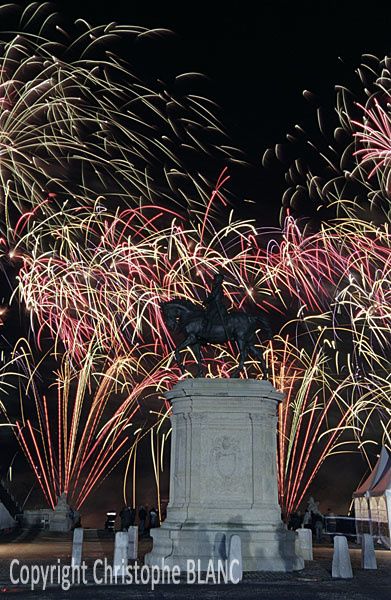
(258, 58)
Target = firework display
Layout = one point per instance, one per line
(333, 284)
(341, 169)
(74, 443)
(79, 128)
(105, 216)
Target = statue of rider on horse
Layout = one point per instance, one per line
(215, 325)
(215, 311)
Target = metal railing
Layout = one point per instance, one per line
(340, 525)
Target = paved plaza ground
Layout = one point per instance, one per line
(313, 583)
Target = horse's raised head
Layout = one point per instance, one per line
(169, 315)
(175, 310)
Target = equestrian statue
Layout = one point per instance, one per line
(215, 325)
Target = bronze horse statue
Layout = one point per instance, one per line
(238, 327)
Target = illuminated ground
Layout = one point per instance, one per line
(313, 583)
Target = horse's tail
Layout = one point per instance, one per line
(264, 324)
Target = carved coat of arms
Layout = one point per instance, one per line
(225, 457)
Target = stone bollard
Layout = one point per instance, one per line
(77, 546)
(120, 552)
(132, 543)
(304, 546)
(342, 567)
(368, 556)
(235, 554)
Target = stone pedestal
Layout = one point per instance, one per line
(120, 553)
(304, 543)
(341, 566)
(60, 519)
(77, 546)
(223, 478)
(368, 556)
(132, 543)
